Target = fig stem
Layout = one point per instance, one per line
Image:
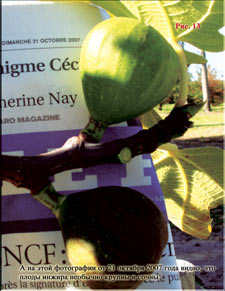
(49, 198)
(94, 130)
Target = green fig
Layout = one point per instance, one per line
(111, 225)
(126, 68)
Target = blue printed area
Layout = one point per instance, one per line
(23, 210)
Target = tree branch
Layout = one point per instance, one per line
(33, 172)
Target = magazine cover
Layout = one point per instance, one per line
(94, 190)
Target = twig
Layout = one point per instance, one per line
(33, 172)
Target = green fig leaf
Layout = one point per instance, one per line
(192, 183)
(201, 20)
(206, 38)
(193, 58)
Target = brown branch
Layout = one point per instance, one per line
(33, 172)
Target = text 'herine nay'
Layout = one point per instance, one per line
(51, 99)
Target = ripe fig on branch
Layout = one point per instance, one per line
(127, 68)
(111, 225)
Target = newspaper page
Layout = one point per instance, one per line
(42, 106)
